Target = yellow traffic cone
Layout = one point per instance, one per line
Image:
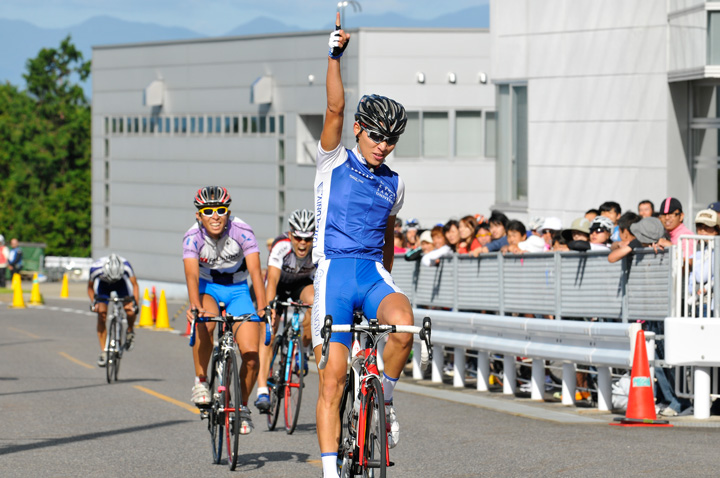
(162, 321)
(35, 296)
(18, 301)
(146, 312)
(64, 292)
(15, 280)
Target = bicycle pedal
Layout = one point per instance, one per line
(391, 463)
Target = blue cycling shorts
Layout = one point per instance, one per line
(345, 285)
(235, 296)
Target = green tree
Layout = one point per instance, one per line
(45, 153)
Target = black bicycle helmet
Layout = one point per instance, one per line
(382, 115)
(212, 196)
(302, 222)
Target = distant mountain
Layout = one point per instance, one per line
(20, 40)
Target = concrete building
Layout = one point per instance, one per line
(247, 112)
(612, 100)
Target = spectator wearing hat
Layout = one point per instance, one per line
(715, 206)
(468, 242)
(646, 208)
(612, 211)
(532, 244)
(671, 215)
(702, 279)
(440, 247)
(600, 229)
(498, 233)
(4, 252)
(411, 233)
(577, 237)
(534, 225)
(550, 226)
(645, 232)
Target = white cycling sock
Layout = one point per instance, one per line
(262, 390)
(388, 385)
(329, 463)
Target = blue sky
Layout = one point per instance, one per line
(214, 17)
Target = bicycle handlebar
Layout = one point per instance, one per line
(289, 303)
(374, 329)
(230, 320)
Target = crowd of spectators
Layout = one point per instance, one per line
(606, 228)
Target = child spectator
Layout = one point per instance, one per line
(532, 244)
(468, 242)
(612, 211)
(560, 243)
(498, 222)
(452, 234)
(591, 214)
(483, 233)
(426, 242)
(516, 234)
(534, 225)
(577, 238)
(600, 229)
(624, 223)
(550, 226)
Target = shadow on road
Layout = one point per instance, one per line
(256, 461)
(88, 436)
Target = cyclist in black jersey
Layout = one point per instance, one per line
(290, 276)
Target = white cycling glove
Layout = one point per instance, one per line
(334, 43)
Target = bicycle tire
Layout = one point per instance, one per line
(233, 402)
(294, 386)
(374, 433)
(274, 383)
(348, 425)
(216, 420)
(110, 362)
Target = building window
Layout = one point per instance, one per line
(409, 144)
(435, 134)
(490, 135)
(512, 144)
(713, 38)
(235, 124)
(281, 124)
(201, 124)
(468, 133)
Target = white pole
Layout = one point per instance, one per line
(437, 363)
(417, 373)
(380, 350)
(459, 368)
(537, 385)
(569, 384)
(509, 376)
(604, 388)
(483, 371)
(702, 393)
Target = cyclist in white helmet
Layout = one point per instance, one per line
(358, 198)
(290, 275)
(108, 274)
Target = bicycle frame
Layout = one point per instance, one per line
(116, 319)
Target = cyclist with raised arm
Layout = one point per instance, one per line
(219, 253)
(358, 198)
(290, 275)
(112, 274)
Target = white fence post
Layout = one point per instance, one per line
(380, 350)
(701, 383)
(459, 368)
(509, 376)
(437, 363)
(537, 385)
(604, 382)
(417, 350)
(569, 384)
(483, 371)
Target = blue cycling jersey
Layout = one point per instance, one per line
(353, 203)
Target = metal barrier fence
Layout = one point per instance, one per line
(560, 284)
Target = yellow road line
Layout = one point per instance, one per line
(73, 359)
(29, 334)
(317, 463)
(191, 408)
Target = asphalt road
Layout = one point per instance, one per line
(61, 418)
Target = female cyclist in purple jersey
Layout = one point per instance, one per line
(219, 253)
(358, 198)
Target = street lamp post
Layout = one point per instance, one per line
(341, 8)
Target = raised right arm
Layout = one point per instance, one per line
(332, 129)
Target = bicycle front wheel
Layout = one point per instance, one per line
(233, 403)
(216, 419)
(373, 432)
(294, 387)
(111, 356)
(348, 426)
(274, 383)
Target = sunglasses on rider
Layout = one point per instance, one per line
(208, 211)
(302, 239)
(379, 138)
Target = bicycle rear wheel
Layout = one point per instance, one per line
(294, 386)
(348, 426)
(275, 383)
(111, 360)
(373, 431)
(216, 420)
(233, 403)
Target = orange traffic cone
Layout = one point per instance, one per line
(641, 401)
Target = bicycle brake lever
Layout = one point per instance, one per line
(325, 333)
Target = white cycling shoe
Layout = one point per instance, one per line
(200, 394)
(392, 425)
